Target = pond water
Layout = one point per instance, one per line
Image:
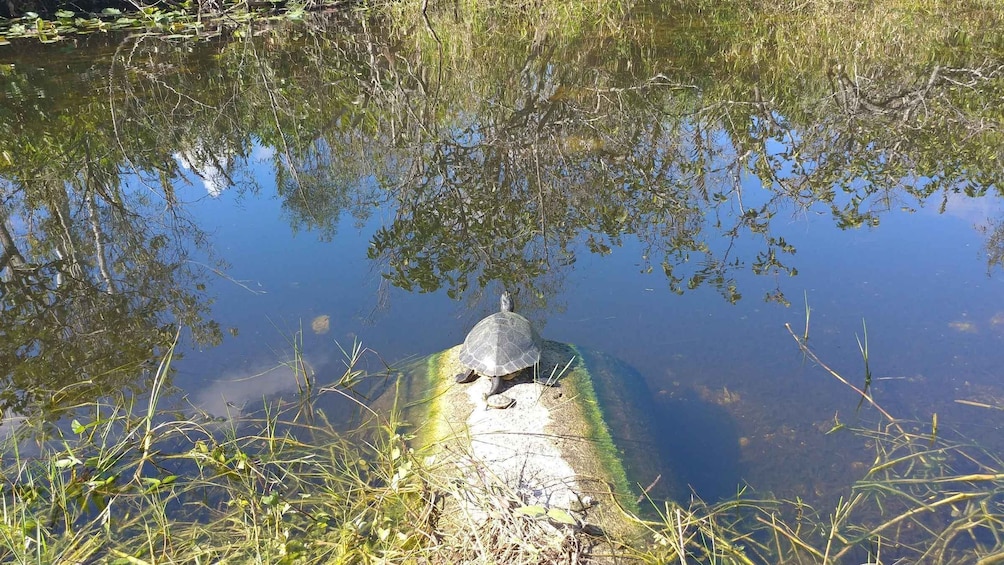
(651, 195)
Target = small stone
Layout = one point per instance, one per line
(321, 324)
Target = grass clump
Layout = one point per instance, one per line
(919, 502)
(148, 486)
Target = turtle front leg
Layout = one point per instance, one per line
(467, 377)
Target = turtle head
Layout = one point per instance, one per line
(505, 302)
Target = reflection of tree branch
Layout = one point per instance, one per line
(658, 81)
(290, 162)
(540, 203)
(99, 244)
(11, 254)
(60, 209)
(124, 61)
(994, 245)
(854, 97)
(223, 275)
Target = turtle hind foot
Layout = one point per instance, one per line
(467, 377)
(499, 401)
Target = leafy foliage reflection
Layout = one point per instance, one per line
(502, 152)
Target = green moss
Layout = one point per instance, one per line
(436, 386)
(610, 456)
(418, 387)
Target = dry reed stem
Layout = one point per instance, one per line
(812, 355)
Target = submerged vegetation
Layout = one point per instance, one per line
(49, 21)
(135, 482)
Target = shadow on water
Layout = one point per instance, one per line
(702, 441)
(695, 443)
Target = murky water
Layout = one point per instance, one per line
(646, 197)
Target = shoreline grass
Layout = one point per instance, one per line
(135, 484)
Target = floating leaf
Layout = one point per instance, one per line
(105, 481)
(63, 14)
(321, 324)
(77, 427)
(111, 12)
(270, 499)
(153, 483)
(67, 462)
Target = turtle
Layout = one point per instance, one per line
(499, 347)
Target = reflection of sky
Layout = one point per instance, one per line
(975, 211)
(279, 282)
(918, 280)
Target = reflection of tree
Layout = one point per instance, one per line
(532, 170)
(85, 295)
(995, 245)
(501, 169)
(93, 277)
(476, 204)
(880, 143)
(497, 169)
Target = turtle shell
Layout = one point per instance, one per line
(500, 344)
